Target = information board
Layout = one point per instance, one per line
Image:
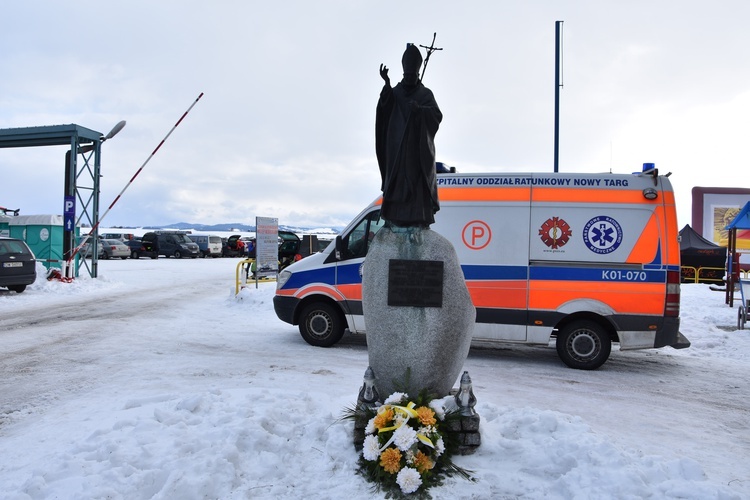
(266, 246)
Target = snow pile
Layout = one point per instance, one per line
(164, 385)
(242, 444)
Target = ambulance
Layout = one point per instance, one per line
(586, 260)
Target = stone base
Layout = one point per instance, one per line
(413, 348)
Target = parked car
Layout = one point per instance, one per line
(117, 236)
(17, 264)
(289, 249)
(85, 250)
(209, 245)
(172, 244)
(231, 248)
(139, 248)
(112, 249)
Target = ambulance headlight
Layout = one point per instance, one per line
(282, 279)
(650, 193)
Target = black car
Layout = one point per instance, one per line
(231, 247)
(17, 265)
(139, 248)
(172, 244)
(289, 249)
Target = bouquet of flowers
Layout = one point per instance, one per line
(405, 449)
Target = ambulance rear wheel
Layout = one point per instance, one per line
(584, 345)
(321, 324)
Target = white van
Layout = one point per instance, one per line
(117, 236)
(590, 259)
(209, 244)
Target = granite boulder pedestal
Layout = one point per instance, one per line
(418, 313)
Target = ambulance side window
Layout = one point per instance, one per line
(358, 240)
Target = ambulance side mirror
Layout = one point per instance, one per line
(339, 247)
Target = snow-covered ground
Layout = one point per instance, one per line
(154, 381)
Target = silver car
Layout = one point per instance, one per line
(110, 249)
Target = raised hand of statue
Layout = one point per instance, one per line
(384, 74)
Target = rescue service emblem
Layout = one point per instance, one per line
(555, 232)
(602, 234)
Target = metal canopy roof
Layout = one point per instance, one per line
(51, 135)
(81, 201)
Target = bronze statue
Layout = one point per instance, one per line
(406, 122)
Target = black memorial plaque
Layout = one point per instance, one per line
(416, 283)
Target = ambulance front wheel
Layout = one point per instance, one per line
(584, 345)
(321, 324)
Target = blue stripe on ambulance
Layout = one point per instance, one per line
(348, 274)
(478, 272)
(606, 274)
(645, 274)
(325, 275)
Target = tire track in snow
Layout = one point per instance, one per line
(39, 364)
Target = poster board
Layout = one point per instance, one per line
(714, 208)
(266, 246)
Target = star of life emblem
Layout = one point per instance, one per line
(602, 234)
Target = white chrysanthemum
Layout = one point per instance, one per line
(408, 480)
(395, 398)
(439, 446)
(371, 448)
(370, 427)
(437, 406)
(404, 437)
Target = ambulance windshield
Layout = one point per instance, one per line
(358, 240)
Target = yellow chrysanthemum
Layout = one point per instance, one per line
(390, 460)
(422, 462)
(426, 415)
(383, 419)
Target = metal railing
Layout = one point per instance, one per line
(690, 274)
(242, 275)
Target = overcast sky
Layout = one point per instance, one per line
(286, 124)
